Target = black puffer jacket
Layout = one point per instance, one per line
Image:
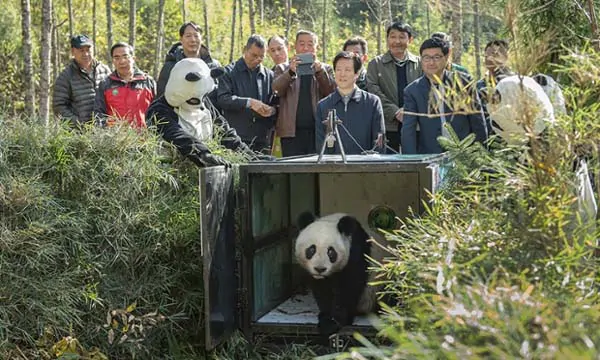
(173, 56)
(75, 90)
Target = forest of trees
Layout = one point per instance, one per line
(95, 225)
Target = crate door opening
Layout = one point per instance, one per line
(280, 294)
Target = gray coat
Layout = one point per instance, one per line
(383, 82)
(75, 90)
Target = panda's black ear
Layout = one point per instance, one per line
(305, 219)
(216, 72)
(348, 225)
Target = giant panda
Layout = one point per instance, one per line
(333, 250)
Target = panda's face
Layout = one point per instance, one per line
(321, 249)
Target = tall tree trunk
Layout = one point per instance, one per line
(28, 63)
(288, 18)
(376, 7)
(183, 11)
(160, 38)
(261, 5)
(324, 32)
(379, 26)
(55, 56)
(109, 29)
(456, 22)
(241, 22)
(70, 7)
(477, 38)
(206, 39)
(428, 18)
(46, 45)
(390, 18)
(251, 16)
(233, 17)
(594, 25)
(94, 20)
(132, 15)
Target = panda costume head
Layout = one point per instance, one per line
(333, 250)
(517, 100)
(190, 81)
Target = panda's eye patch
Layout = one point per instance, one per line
(310, 251)
(193, 76)
(332, 254)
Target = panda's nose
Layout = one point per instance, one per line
(320, 270)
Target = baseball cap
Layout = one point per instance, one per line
(77, 41)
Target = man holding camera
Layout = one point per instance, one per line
(300, 85)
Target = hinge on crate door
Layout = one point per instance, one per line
(337, 343)
(242, 295)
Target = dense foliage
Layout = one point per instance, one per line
(504, 264)
(98, 239)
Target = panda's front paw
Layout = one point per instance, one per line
(343, 318)
(327, 326)
(341, 315)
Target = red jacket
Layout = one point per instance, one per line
(119, 99)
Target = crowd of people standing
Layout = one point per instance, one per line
(396, 102)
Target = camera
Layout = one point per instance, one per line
(305, 66)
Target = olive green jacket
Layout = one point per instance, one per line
(382, 81)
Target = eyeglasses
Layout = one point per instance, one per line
(119, 58)
(427, 58)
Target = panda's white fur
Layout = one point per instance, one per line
(348, 273)
(189, 82)
(522, 100)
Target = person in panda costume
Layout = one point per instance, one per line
(185, 116)
(519, 106)
(333, 250)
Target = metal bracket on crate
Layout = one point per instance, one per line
(332, 135)
(337, 343)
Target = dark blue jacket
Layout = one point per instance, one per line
(235, 89)
(417, 106)
(363, 118)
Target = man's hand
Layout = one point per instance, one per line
(400, 115)
(209, 160)
(261, 108)
(263, 157)
(317, 66)
(294, 63)
(379, 140)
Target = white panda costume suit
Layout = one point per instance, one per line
(185, 116)
(518, 100)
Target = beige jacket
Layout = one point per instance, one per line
(287, 88)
